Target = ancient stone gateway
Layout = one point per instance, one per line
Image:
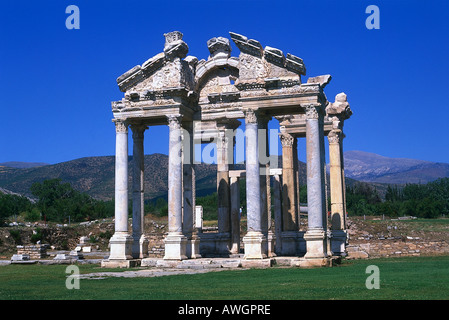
(201, 101)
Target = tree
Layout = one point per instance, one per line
(60, 202)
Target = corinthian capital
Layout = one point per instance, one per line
(287, 139)
(174, 121)
(251, 116)
(335, 136)
(313, 111)
(121, 126)
(138, 131)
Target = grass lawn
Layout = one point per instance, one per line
(419, 278)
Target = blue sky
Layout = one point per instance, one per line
(56, 84)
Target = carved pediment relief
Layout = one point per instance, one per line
(257, 64)
(220, 79)
(165, 70)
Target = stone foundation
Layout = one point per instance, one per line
(395, 248)
(38, 251)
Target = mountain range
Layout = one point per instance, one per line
(371, 167)
(95, 175)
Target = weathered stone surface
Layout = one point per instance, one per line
(171, 88)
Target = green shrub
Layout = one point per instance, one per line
(15, 234)
(36, 236)
(33, 215)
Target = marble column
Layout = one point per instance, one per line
(265, 197)
(290, 215)
(140, 242)
(223, 160)
(188, 181)
(338, 216)
(264, 153)
(121, 242)
(235, 215)
(297, 185)
(316, 236)
(175, 241)
(254, 240)
(277, 202)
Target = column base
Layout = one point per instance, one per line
(140, 247)
(223, 243)
(175, 247)
(193, 247)
(271, 240)
(338, 242)
(120, 263)
(289, 243)
(316, 244)
(121, 246)
(255, 245)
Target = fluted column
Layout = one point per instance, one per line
(290, 214)
(175, 241)
(223, 160)
(121, 241)
(254, 241)
(235, 214)
(140, 242)
(316, 239)
(264, 153)
(338, 217)
(188, 181)
(277, 202)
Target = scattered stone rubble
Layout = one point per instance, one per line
(25, 253)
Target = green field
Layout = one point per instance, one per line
(422, 278)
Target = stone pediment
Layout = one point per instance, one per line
(221, 86)
(257, 65)
(166, 70)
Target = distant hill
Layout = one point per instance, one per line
(371, 167)
(95, 175)
(22, 165)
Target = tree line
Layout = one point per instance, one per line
(430, 200)
(59, 202)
